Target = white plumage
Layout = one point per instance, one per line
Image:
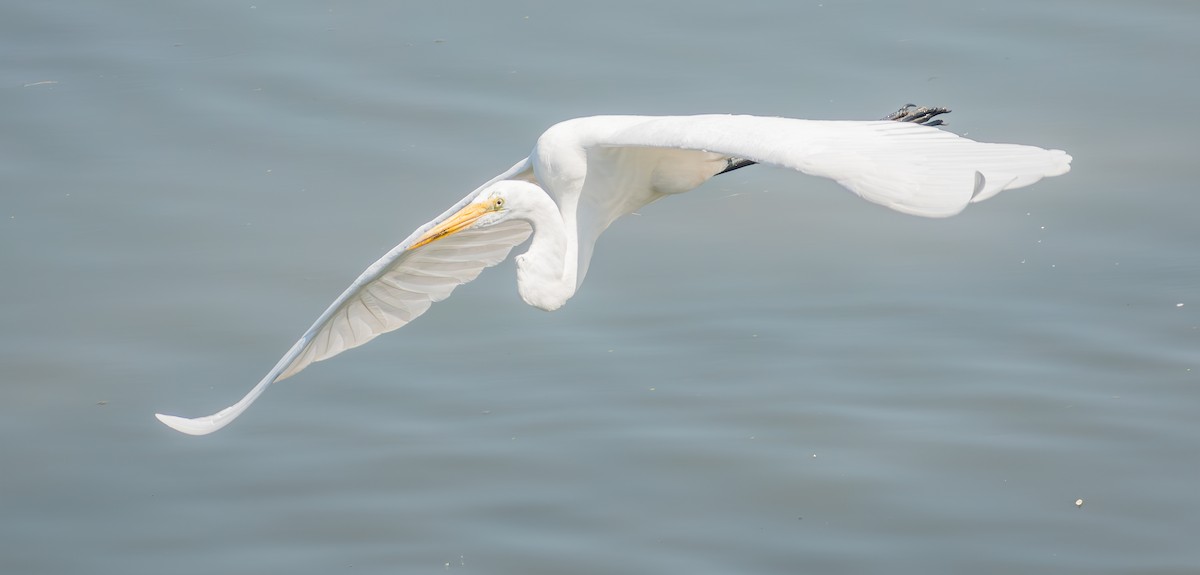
(585, 173)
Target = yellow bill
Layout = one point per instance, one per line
(453, 224)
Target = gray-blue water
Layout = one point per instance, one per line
(767, 375)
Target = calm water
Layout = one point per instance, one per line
(767, 375)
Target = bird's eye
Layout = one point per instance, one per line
(497, 203)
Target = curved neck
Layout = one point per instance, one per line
(545, 277)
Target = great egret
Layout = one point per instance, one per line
(586, 172)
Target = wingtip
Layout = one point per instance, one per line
(1066, 162)
(197, 426)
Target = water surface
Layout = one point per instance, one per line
(766, 375)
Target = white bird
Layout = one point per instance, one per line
(585, 173)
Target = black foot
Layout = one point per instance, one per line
(919, 115)
(732, 164)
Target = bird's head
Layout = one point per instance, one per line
(499, 202)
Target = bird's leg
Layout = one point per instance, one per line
(919, 115)
(922, 115)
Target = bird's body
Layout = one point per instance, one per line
(585, 173)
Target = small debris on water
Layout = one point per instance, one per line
(1078, 503)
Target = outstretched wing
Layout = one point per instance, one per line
(907, 167)
(401, 286)
(393, 291)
